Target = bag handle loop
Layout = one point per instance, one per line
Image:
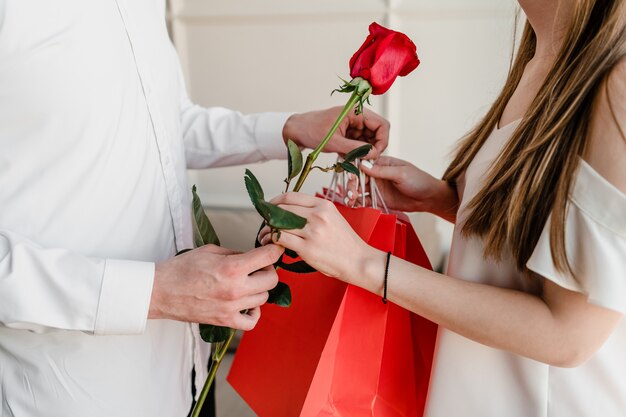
(376, 196)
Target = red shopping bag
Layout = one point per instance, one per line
(338, 350)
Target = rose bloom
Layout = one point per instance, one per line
(385, 55)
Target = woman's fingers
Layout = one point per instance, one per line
(385, 172)
(352, 190)
(289, 239)
(265, 235)
(297, 199)
(386, 160)
(273, 237)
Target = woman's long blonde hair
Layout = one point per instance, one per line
(532, 177)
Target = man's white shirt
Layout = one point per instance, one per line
(96, 133)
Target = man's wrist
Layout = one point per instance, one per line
(154, 310)
(268, 128)
(289, 131)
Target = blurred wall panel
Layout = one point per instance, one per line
(287, 55)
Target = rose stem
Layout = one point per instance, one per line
(354, 98)
(220, 351)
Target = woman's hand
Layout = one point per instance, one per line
(327, 242)
(405, 187)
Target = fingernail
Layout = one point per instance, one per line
(346, 200)
(350, 194)
(367, 164)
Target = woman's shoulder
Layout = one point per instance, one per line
(606, 152)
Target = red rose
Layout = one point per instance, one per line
(384, 55)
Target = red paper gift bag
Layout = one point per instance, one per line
(338, 350)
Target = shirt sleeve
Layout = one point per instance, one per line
(595, 240)
(217, 136)
(48, 289)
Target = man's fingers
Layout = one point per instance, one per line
(269, 268)
(247, 321)
(380, 127)
(256, 259)
(253, 301)
(262, 281)
(344, 145)
(218, 250)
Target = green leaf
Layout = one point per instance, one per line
(263, 211)
(280, 295)
(347, 166)
(214, 334)
(278, 218)
(294, 160)
(203, 232)
(255, 191)
(299, 267)
(274, 216)
(357, 153)
(346, 87)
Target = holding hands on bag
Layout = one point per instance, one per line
(558, 313)
(327, 235)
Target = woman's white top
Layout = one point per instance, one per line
(472, 380)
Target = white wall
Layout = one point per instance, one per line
(287, 55)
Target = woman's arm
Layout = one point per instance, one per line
(558, 327)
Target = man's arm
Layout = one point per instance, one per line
(44, 289)
(48, 289)
(217, 137)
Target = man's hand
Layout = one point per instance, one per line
(212, 285)
(308, 129)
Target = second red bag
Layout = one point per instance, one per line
(338, 350)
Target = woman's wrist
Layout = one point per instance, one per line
(443, 201)
(369, 270)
